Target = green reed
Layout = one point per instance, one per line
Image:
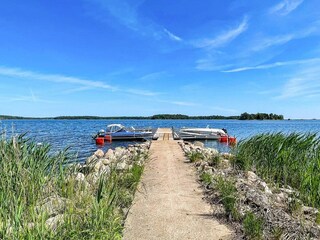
(285, 159)
(29, 174)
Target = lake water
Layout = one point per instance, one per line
(76, 134)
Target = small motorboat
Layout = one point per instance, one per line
(120, 132)
(203, 134)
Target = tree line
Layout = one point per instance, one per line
(243, 116)
(260, 116)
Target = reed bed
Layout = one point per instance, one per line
(286, 160)
(29, 175)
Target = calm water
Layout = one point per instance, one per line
(76, 134)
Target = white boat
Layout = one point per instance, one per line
(200, 133)
(120, 132)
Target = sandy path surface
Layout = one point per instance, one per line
(168, 203)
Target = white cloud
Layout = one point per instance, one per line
(86, 84)
(126, 13)
(172, 36)
(153, 76)
(285, 7)
(273, 41)
(305, 83)
(141, 92)
(224, 37)
(179, 103)
(273, 65)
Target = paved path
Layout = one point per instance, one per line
(168, 203)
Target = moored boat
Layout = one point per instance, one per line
(119, 132)
(203, 134)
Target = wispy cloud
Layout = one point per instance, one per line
(172, 36)
(142, 92)
(153, 76)
(179, 103)
(264, 43)
(225, 37)
(285, 7)
(305, 83)
(126, 13)
(85, 83)
(273, 41)
(273, 65)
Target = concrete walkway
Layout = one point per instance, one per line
(168, 203)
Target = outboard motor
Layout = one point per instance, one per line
(225, 130)
(101, 133)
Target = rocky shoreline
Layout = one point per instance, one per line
(256, 209)
(84, 180)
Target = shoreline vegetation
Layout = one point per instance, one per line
(243, 116)
(267, 188)
(44, 197)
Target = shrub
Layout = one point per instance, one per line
(195, 156)
(206, 178)
(253, 226)
(228, 194)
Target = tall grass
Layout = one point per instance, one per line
(29, 175)
(286, 159)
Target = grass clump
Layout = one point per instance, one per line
(228, 193)
(294, 206)
(214, 160)
(30, 176)
(286, 159)
(252, 226)
(195, 156)
(206, 178)
(318, 218)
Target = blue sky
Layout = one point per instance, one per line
(143, 57)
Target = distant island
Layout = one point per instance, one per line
(243, 116)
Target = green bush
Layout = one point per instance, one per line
(253, 226)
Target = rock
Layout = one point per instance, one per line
(54, 222)
(198, 144)
(80, 181)
(208, 171)
(99, 153)
(121, 166)
(98, 166)
(287, 190)
(93, 178)
(80, 177)
(91, 159)
(109, 153)
(224, 164)
(105, 169)
(264, 187)
(106, 161)
(52, 206)
(267, 190)
(251, 176)
(118, 151)
(309, 210)
(280, 197)
(186, 149)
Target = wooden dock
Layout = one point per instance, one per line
(168, 203)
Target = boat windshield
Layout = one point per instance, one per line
(114, 128)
